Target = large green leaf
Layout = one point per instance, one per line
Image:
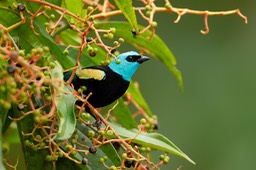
(153, 140)
(134, 91)
(154, 46)
(65, 103)
(128, 11)
(66, 114)
(75, 6)
(123, 115)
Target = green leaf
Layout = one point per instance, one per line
(65, 103)
(134, 91)
(55, 2)
(152, 140)
(75, 6)
(66, 114)
(128, 11)
(155, 46)
(123, 115)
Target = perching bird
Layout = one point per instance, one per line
(107, 83)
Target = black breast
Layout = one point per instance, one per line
(105, 91)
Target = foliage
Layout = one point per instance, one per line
(40, 39)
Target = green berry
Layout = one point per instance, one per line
(60, 154)
(110, 133)
(113, 167)
(148, 149)
(121, 40)
(47, 24)
(91, 18)
(162, 157)
(143, 121)
(38, 137)
(80, 91)
(166, 159)
(22, 53)
(102, 132)
(124, 155)
(94, 5)
(91, 133)
(40, 50)
(42, 89)
(47, 7)
(37, 119)
(68, 147)
(142, 149)
(154, 24)
(115, 43)
(89, 8)
(105, 35)
(84, 88)
(73, 141)
(148, 13)
(73, 152)
(52, 16)
(110, 35)
(87, 116)
(66, 52)
(113, 29)
(148, 7)
(52, 64)
(48, 158)
(42, 145)
(101, 160)
(27, 142)
(118, 61)
(168, 5)
(107, 62)
(46, 49)
(95, 49)
(37, 112)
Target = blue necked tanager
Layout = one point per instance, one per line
(107, 83)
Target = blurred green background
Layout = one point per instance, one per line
(213, 121)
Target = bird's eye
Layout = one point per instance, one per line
(133, 58)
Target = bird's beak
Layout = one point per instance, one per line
(143, 59)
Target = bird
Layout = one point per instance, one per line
(107, 83)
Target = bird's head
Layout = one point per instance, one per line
(127, 63)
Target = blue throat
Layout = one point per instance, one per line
(124, 68)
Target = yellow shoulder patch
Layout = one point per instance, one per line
(89, 73)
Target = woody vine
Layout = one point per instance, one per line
(34, 96)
